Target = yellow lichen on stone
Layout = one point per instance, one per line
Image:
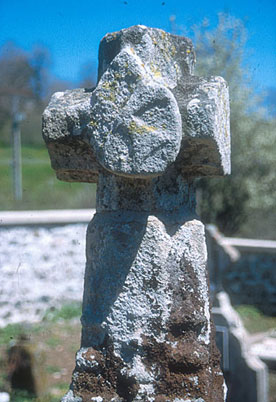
(117, 75)
(109, 90)
(134, 128)
(155, 71)
(173, 50)
(157, 74)
(109, 85)
(149, 128)
(93, 123)
(166, 51)
(111, 97)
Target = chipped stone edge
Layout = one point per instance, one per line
(69, 397)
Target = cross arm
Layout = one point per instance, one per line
(205, 112)
(64, 128)
(147, 112)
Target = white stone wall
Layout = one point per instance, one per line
(40, 267)
(245, 268)
(43, 267)
(252, 280)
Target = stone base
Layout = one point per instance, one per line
(147, 332)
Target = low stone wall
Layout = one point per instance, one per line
(31, 280)
(245, 268)
(245, 374)
(40, 266)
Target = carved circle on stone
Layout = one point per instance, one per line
(140, 129)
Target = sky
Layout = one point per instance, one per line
(72, 30)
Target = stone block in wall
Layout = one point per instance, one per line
(245, 374)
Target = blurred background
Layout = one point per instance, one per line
(52, 46)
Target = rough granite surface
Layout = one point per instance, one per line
(147, 333)
(148, 129)
(147, 111)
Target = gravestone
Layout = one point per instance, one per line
(148, 129)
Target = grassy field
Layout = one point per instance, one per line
(53, 344)
(254, 321)
(55, 340)
(41, 189)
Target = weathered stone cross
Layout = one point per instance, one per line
(144, 134)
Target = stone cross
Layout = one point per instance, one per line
(147, 130)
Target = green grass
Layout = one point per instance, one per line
(59, 337)
(41, 188)
(25, 397)
(254, 320)
(53, 342)
(51, 369)
(10, 332)
(66, 312)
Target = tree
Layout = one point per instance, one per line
(39, 60)
(16, 74)
(249, 193)
(26, 78)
